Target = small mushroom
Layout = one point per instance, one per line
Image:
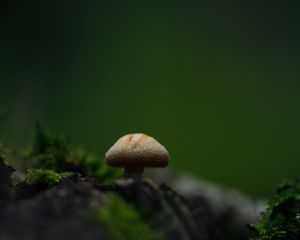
(136, 151)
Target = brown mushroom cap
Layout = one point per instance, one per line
(137, 150)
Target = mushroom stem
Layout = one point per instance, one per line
(133, 172)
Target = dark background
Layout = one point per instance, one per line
(217, 82)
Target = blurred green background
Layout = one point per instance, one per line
(217, 82)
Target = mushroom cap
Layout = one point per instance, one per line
(137, 150)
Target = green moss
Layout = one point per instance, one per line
(44, 176)
(281, 220)
(55, 153)
(122, 221)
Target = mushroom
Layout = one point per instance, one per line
(136, 151)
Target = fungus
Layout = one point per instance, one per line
(136, 151)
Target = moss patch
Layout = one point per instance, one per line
(281, 220)
(123, 221)
(44, 176)
(55, 153)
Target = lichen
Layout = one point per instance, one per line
(281, 220)
(123, 221)
(48, 151)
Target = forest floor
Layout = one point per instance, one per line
(79, 207)
(58, 192)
